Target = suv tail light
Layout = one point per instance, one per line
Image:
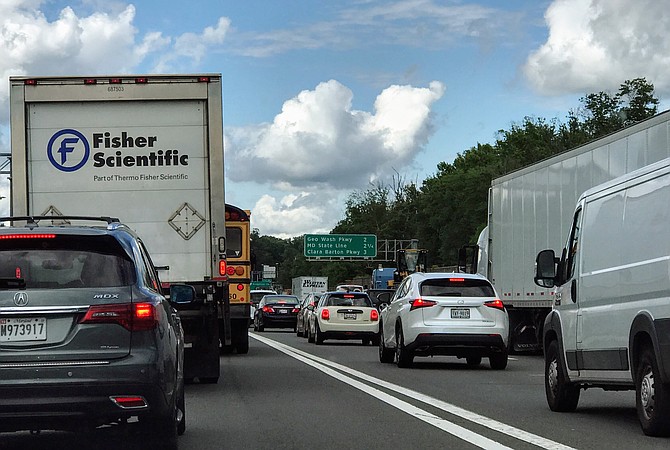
(497, 304)
(325, 314)
(421, 303)
(131, 316)
(374, 315)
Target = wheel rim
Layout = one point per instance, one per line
(552, 377)
(647, 392)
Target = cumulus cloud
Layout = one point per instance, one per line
(595, 45)
(296, 214)
(99, 43)
(318, 140)
(319, 144)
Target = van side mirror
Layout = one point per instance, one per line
(545, 269)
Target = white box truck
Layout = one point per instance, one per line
(610, 324)
(530, 209)
(301, 286)
(149, 151)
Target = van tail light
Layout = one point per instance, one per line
(374, 315)
(497, 304)
(268, 309)
(131, 316)
(325, 314)
(421, 303)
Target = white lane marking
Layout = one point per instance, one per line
(444, 406)
(443, 424)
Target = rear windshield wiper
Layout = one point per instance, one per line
(12, 283)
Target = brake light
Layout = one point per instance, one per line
(131, 316)
(421, 303)
(27, 236)
(457, 280)
(497, 304)
(268, 309)
(348, 296)
(374, 315)
(325, 314)
(222, 267)
(295, 310)
(240, 287)
(129, 401)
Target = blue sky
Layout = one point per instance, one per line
(325, 98)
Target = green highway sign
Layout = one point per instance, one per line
(340, 245)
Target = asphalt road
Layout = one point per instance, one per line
(290, 394)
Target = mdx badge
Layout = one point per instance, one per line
(20, 299)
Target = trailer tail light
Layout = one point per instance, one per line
(374, 315)
(497, 304)
(30, 82)
(90, 81)
(141, 80)
(131, 316)
(203, 79)
(325, 314)
(115, 81)
(421, 303)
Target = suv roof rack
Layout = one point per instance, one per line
(32, 220)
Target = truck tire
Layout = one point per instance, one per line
(473, 361)
(652, 397)
(561, 395)
(242, 341)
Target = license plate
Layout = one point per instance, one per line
(460, 313)
(18, 329)
(350, 316)
(283, 311)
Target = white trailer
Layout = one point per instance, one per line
(530, 210)
(301, 286)
(149, 151)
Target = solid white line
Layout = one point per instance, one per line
(444, 406)
(444, 425)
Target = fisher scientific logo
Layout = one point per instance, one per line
(69, 150)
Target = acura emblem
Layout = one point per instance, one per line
(20, 299)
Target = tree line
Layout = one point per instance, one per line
(449, 208)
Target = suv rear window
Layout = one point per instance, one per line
(349, 299)
(63, 261)
(457, 287)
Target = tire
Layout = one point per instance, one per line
(498, 361)
(473, 361)
(310, 336)
(652, 398)
(163, 430)
(403, 357)
(375, 339)
(181, 413)
(209, 380)
(386, 355)
(366, 341)
(318, 338)
(261, 327)
(255, 325)
(242, 342)
(561, 395)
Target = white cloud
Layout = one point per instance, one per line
(296, 214)
(100, 43)
(319, 141)
(595, 45)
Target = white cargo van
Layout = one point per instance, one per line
(610, 323)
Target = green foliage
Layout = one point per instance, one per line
(450, 208)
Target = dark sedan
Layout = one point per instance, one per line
(277, 311)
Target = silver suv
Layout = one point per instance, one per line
(86, 336)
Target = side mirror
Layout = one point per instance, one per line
(182, 294)
(545, 269)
